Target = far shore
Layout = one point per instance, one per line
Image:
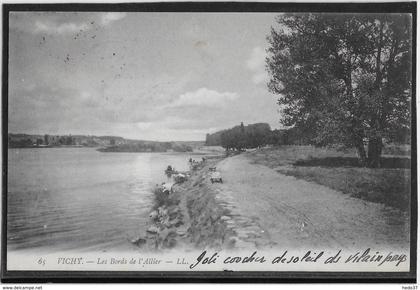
(203, 150)
(51, 146)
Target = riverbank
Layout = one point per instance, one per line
(259, 206)
(189, 216)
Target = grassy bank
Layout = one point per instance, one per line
(341, 171)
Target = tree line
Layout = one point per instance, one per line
(16, 140)
(253, 136)
(257, 135)
(24, 140)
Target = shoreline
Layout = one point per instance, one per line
(257, 205)
(190, 216)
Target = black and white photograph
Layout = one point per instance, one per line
(209, 141)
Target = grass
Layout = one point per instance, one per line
(386, 162)
(397, 150)
(341, 171)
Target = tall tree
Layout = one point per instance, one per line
(345, 77)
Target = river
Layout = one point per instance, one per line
(81, 199)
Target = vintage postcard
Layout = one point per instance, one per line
(144, 139)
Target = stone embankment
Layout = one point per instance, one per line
(197, 213)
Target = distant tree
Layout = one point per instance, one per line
(112, 142)
(67, 140)
(242, 141)
(214, 139)
(241, 137)
(38, 141)
(344, 77)
(46, 139)
(18, 143)
(224, 140)
(62, 140)
(229, 139)
(258, 135)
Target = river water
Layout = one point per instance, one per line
(81, 199)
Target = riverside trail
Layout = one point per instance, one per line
(288, 212)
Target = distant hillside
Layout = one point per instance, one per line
(29, 140)
(105, 143)
(18, 140)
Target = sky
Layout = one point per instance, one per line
(150, 76)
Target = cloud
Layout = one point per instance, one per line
(259, 78)
(110, 17)
(256, 64)
(63, 28)
(53, 25)
(204, 97)
(144, 125)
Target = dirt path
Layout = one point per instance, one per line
(286, 212)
